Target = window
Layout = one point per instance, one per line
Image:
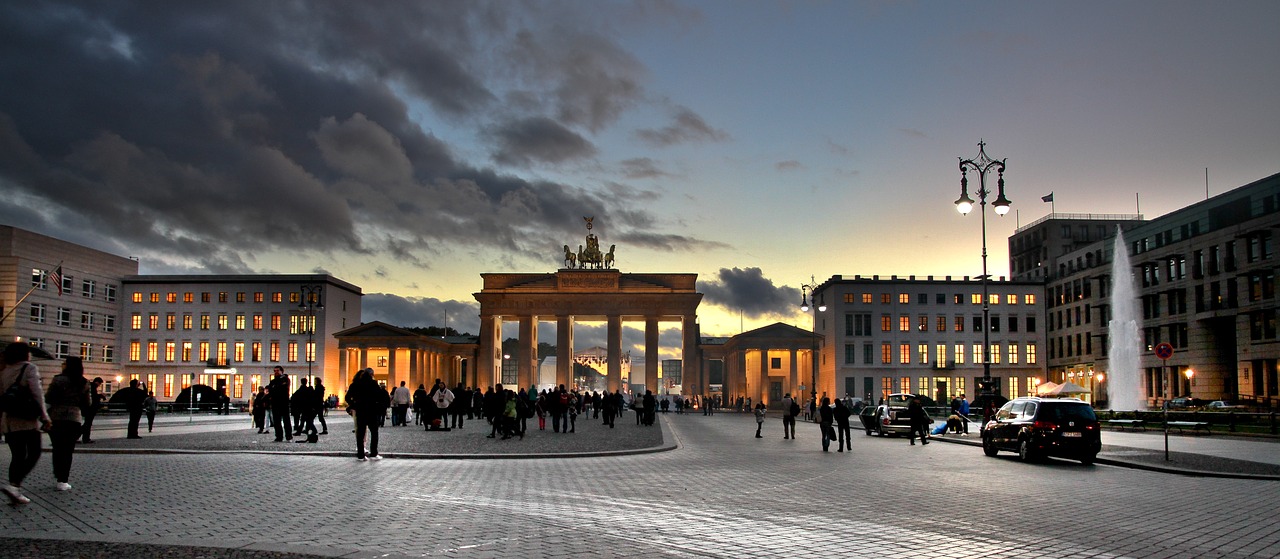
(1031, 354)
(153, 321)
(904, 323)
(959, 324)
(239, 296)
(204, 321)
(922, 351)
(275, 321)
(1013, 354)
(64, 316)
(186, 351)
(959, 354)
(977, 354)
(904, 298)
(775, 362)
(274, 349)
(108, 354)
(922, 298)
(188, 297)
(1031, 324)
(1029, 299)
(885, 298)
(153, 351)
(204, 352)
(239, 352)
(86, 351)
(277, 297)
(850, 354)
(168, 385)
(886, 353)
(257, 297)
(941, 324)
(170, 321)
(108, 323)
(995, 353)
(222, 322)
(975, 298)
(1013, 324)
(67, 281)
(904, 354)
(109, 292)
(866, 354)
(940, 357)
(1012, 299)
(922, 323)
(222, 296)
(186, 321)
(86, 320)
(170, 351)
(995, 323)
(88, 288)
(135, 351)
(39, 278)
(137, 296)
(155, 297)
(977, 324)
(221, 354)
(293, 352)
(886, 323)
(171, 297)
(240, 322)
(37, 313)
(204, 297)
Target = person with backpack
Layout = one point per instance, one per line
(560, 409)
(790, 409)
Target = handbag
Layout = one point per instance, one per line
(17, 401)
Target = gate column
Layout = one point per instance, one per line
(615, 352)
(527, 362)
(564, 350)
(651, 354)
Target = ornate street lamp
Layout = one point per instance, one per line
(982, 164)
(807, 293)
(312, 301)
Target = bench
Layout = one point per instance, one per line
(1121, 424)
(1193, 425)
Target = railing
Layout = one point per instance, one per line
(1261, 423)
(1095, 217)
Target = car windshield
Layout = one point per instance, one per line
(899, 400)
(1068, 412)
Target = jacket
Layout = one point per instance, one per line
(16, 373)
(366, 397)
(65, 401)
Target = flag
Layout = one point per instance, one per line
(56, 279)
(1048, 198)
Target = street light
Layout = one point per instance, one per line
(1190, 373)
(312, 301)
(982, 164)
(807, 293)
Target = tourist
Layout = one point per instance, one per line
(560, 409)
(68, 395)
(759, 413)
(610, 405)
(368, 403)
(303, 403)
(149, 406)
(826, 416)
(400, 400)
(420, 399)
(919, 421)
(789, 411)
(259, 405)
(508, 419)
(443, 398)
(132, 397)
(494, 400)
(278, 391)
(844, 436)
(571, 418)
(22, 433)
(650, 407)
(320, 405)
(458, 409)
(95, 404)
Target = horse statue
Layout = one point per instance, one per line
(608, 257)
(570, 259)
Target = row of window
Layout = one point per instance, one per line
(859, 324)
(943, 355)
(298, 324)
(89, 320)
(204, 352)
(223, 297)
(940, 298)
(88, 288)
(940, 389)
(88, 352)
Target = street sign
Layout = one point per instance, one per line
(1164, 350)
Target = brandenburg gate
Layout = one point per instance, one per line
(586, 289)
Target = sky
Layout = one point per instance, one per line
(407, 147)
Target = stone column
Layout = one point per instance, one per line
(527, 361)
(615, 352)
(364, 357)
(651, 354)
(793, 379)
(415, 367)
(490, 351)
(693, 375)
(344, 376)
(763, 388)
(564, 350)
(393, 376)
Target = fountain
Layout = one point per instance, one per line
(1125, 381)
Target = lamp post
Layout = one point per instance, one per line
(982, 164)
(312, 301)
(807, 293)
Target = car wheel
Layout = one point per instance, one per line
(989, 447)
(1088, 459)
(1024, 451)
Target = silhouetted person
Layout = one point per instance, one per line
(133, 399)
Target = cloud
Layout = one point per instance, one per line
(686, 127)
(410, 312)
(788, 165)
(747, 291)
(538, 139)
(913, 133)
(642, 168)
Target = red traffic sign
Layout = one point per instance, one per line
(1164, 350)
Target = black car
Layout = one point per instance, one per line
(1038, 427)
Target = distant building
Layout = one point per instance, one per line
(925, 336)
(80, 316)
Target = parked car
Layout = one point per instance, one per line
(1038, 427)
(1223, 405)
(1185, 403)
(889, 418)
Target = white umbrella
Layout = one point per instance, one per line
(1068, 388)
(1044, 388)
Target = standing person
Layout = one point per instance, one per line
(825, 417)
(400, 400)
(458, 409)
(22, 433)
(321, 405)
(759, 412)
(650, 407)
(260, 405)
(571, 418)
(443, 399)
(91, 411)
(149, 406)
(919, 421)
(790, 409)
(843, 434)
(610, 405)
(303, 404)
(964, 413)
(420, 399)
(132, 397)
(68, 395)
(278, 391)
(494, 401)
(368, 402)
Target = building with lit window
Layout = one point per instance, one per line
(229, 331)
(1206, 279)
(924, 335)
(76, 314)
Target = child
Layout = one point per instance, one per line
(760, 409)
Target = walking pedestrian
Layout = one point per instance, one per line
(91, 411)
(790, 409)
(367, 402)
(278, 392)
(321, 405)
(759, 412)
(132, 397)
(825, 417)
(68, 395)
(844, 435)
(919, 421)
(303, 403)
(149, 406)
(22, 433)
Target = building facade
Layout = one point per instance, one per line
(229, 331)
(1206, 282)
(925, 336)
(76, 316)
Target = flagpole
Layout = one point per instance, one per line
(24, 298)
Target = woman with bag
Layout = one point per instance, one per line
(24, 416)
(68, 395)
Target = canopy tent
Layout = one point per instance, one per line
(1044, 388)
(1066, 389)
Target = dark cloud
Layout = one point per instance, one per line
(190, 134)
(410, 312)
(686, 126)
(788, 165)
(746, 290)
(643, 168)
(537, 139)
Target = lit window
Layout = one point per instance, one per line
(1029, 299)
(959, 354)
(135, 351)
(904, 354)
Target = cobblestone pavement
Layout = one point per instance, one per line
(722, 493)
